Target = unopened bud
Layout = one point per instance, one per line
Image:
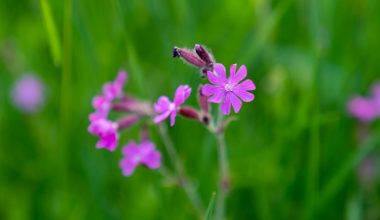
(123, 106)
(204, 54)
(189, 56)
(133, 106)
(127, 121)
(203, 101)
(190, 113)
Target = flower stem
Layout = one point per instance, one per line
(224, 179)
(183, 180)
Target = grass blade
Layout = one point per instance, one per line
(211, 206)
(52, 31)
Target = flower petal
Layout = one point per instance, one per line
(226, 106)
(159, 118)
(172, 117)
(236, 103)
(181, 94)
(218, 76)
(127, 166)
(218, 96)
(232, 70)
(130, 149)
(239, 76)
(152, 160)
(108, 141)
(245, 85)
(220, 70)
(209, 89)
(162, 104)
(244, 95)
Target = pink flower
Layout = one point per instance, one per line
(28, 94)
(165, 108)
(142, 154)
(102, 105)
(106, 131)
(228, 91)
(111, 91)
(362, 108)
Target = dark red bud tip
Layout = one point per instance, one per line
(203, 101)
(127, 121)
(206, 119)
(190, 113)
(175, 52)
(204, 54)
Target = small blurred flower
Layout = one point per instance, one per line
(142, 154)
(165, 108)
(27, 94)
(366, 109)
(228, 91)
(106, 130)
(111, 90)
(362, 108)
(102, 105)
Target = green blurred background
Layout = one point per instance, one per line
(293, 153)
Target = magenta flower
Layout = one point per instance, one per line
(142, 154)
(106, 131)
(228, 91)
(27, 94)
(102, 105)
(362, 108)
(165, 108)
(111, 90)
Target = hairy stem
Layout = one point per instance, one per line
(224, 179)
(184, 181)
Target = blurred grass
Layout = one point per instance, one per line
(293, 153)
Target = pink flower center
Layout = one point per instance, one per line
(172, 107)
(228, 87)
(137, 158)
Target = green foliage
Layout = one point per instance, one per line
(293, 152)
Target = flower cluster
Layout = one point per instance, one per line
(366, 109)
(112, 98)
(226, 91)
(100, 125)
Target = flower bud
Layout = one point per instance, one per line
(189, 56)
(204, 54)
(190, 113)
(203, 101)
(127, 121)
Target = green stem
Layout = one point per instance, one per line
(184, 181)
(224, 179)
